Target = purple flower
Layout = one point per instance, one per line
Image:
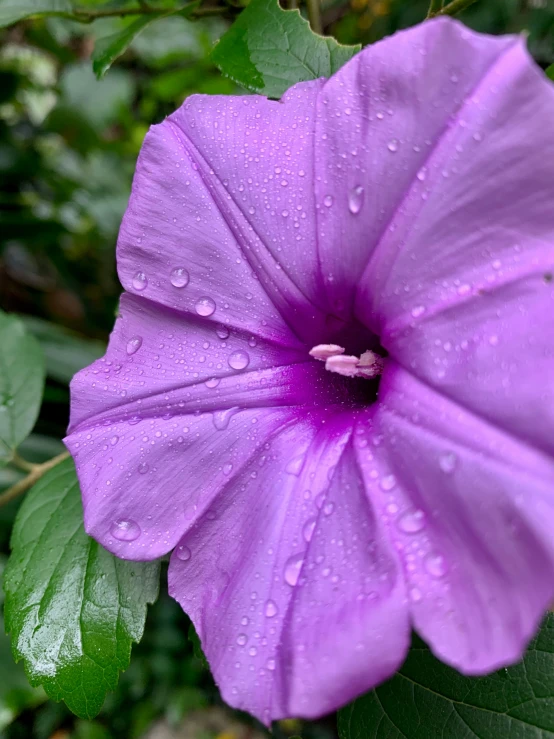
(397, 218)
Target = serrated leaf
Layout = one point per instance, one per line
(109, 48)
(13, 11)
(21, 383)
(426, 699)
(268, 49)
(550, 72)
(72, 609)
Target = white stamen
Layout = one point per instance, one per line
(324, 351)
(368, 365)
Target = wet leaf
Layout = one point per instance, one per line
(73, 610)
(268, 49)
(426, 698)
(21, 383)
(109, 48)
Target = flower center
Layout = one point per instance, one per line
(369, 365)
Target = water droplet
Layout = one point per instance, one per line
(183, 553)
(238, 360)
(179, 277)
(293, 568)
(328, 201)
(294, 467)
(448, 461)
(393, 145)
(422, 174)
(139, 281)
(227, 468)
(143, 468)
(114, 440)
(417, 311)
(252, 651)
(388, 482)
(212, 382)
(270, 664)
(221, 418)
(328, 508)
(356, 199)
(436, 566)
(242, 639)
(309, 528)
(412, 521)
(205, 307)
(222, 332)
(415, 595)
(134, 344)
(271, 609)
(125, 530)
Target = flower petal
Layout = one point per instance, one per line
(160, 421)
(223, 189)
(471, 512)
(290, 580)
(379, 120)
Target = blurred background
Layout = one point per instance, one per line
(68, 146)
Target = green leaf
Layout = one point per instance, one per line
(426, 698)
(21, 383)
(108, 48)
(197, 647)
(72, 609)
(15, 692)
(268, 49)
(65, 352)
(550, 72)
(17, 10)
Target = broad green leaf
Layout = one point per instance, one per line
(108, 48)
(72, 609)
(428, 699)
(21, 383)
(550, 72)
(268, 49)
(15, 692)
(12, 11)
(65, 352)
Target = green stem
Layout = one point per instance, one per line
(435, 6)
(18, 461)
(34, 475)
(454, 7)
(314, 15)
(86, 15)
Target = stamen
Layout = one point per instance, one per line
(368, 365)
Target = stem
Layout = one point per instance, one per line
(314, 14)
(36, 473)
(82, 15)
(454, 7)
(18, 461)
(435, 6)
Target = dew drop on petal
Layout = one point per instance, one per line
(447, 462)
(139, 281)
(227, 468)
(436, 566)
(212, 382)
(143, 468)
(271, 609)
(270, 664)
(415, 595)
(356, 199)
(412, 521)
(242, 639)
(125, 530)
(417, 311)
(183, 553)
(222, 332)
(328, 201)
(205, 307)
(422, 174)
(388, 482)
(179, 277)
(238, 360)
(309, 528)
(393, 145)
(221, 418)
(134, 344)
(294, 467)
(292, 569)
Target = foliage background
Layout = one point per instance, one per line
(68, 145)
